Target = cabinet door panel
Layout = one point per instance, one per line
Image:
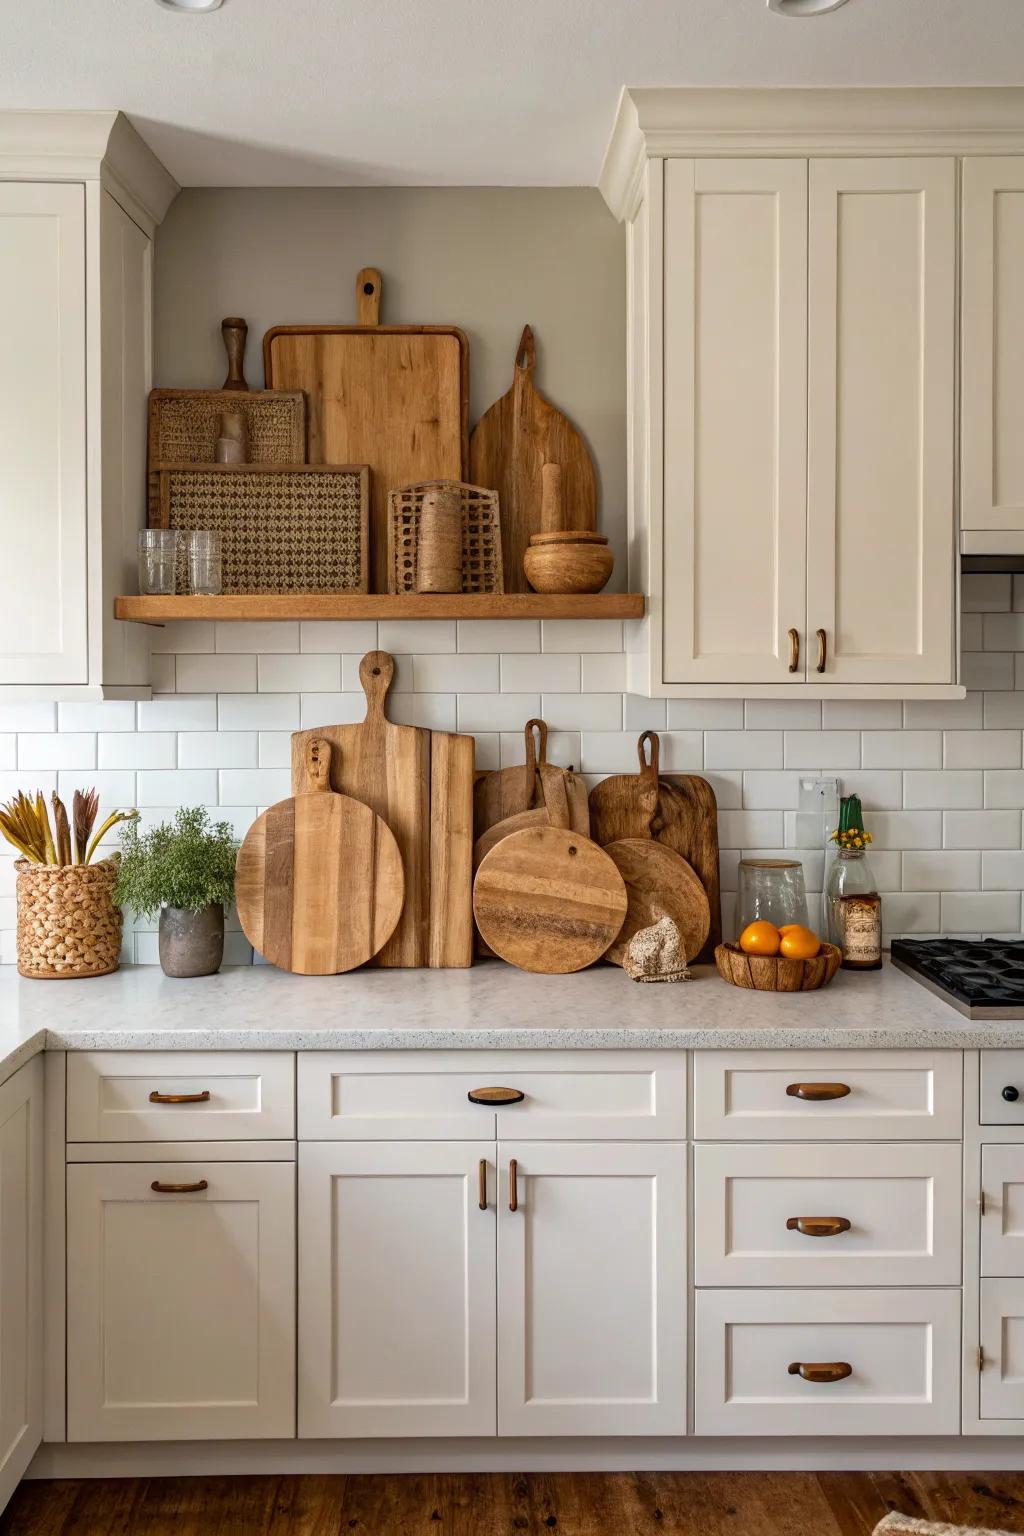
(881, 328)
(1002, 1225)
(21, 1272)
(592, 1290)
(42, 433)
(181, 1307)
(992, 344)
(735, 418)
(396, 1289)
(1002, 1339)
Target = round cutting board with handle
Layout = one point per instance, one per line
(547, 899)
(659, 883)
(319, 881)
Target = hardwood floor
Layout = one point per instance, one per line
(534, 1504)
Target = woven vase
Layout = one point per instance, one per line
(68, 924)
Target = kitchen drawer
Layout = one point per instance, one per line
(827, 1095)
(1002, 1088)
(1002, 1224)
(424, 1095)
(902, 1204)
(902, 1347)
(250, 1095)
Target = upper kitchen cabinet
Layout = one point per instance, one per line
(992, 350)
(792, 323)
(80, 198)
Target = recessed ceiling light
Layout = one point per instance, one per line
(191, 5)
(804, 7)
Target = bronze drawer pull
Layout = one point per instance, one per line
(180, 1098)
(179, 1189)
(482, 1185)
(815, 1093)
(818, 1226)
(821, 1370)
(822, 651)
(513, 1185)
(794, 650)
(495, 1096)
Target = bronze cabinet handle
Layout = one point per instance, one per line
(815, 1093)
(818, 1226)
(794, 650)
(179, 1189)
(495, 1096)
(822, 651)
(821, 1370)
(513, 1185)
(180, 1098)
(482, 1185)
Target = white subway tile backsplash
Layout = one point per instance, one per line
(751, 829)
(525, 672)
(602, 673)
(582, 711)
(213, 749)
(162, 674)
(254, 786)
(563, 748)
(217, 674)
(727, 784)
(909, 829)
(177, 712)
(607, 752)
(770, 790)
(987, 669)
(902, 749)
(880, 789)
(980, 911)
(944, 714)
(275, 750)
(327, 709)
(941, 870)
(743, 749)
(1003, 631)
(1003, 710)
(982, 749)
(640, 714)
(887, 868)
(8, 750)
(261, 712)
(115, 786)
(488, 751)
(401, 682)
(177, 786)
(782, 715)
(336, 637)
(580, 635)
(495, 636)
(140, 749)
(299, 674)
(972, 631)
(825, 750)
(1004, 789)
(982, 829)
(914, 912)
(433, 636)
(1018, 594)
(861, 714)
(248, 638)
(985, 593)
(432, 711)
(107, 715)
(498, 711)
(938, 789)
(457, 674)
(1002, 871)
(181, 637)
(63, 749)
(705, 714)
(29, 782)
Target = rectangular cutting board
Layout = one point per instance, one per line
(395, 397)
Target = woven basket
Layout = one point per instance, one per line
(68, 924)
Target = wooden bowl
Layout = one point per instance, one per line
(774, 973)
(576, 566)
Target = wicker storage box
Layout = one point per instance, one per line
(68, 924)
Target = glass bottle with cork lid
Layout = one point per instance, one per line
(853, 907)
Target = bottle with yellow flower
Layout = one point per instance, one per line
(853, 908)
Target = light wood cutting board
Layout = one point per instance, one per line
(319, 882)
(421, 783)
(510, 445)
(395, 397)
(658, 884)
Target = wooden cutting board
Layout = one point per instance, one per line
(510, 445)
(421, 784)
(506, 792)
(318, 883)
(548, 900)
(395, 397)
(676, 809)
(659, 884)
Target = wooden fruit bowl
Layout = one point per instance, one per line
(774, 973)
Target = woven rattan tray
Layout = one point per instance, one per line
(283, 527)
(481, 536)
(183, 428)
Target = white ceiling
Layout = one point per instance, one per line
(463, 92)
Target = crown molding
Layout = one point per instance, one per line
(660, 122)
(86, 146)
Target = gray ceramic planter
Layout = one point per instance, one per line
(191, 943)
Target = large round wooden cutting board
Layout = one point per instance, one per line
(548, 900)
(659, 883)
(319, 882)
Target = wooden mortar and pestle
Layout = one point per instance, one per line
(562, 558)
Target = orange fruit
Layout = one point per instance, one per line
(799, 943)
(760, 938)
(791, 927)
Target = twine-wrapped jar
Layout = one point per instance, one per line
(68, 924)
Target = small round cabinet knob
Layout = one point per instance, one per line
(1011, 1094)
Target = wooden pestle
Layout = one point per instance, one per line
(439, 542)
(552, 512)
(234, 332)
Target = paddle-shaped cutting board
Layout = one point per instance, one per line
(395, 397)
(510, 445)
(318, 881)
(421, 783)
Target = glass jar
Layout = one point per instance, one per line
(771, 890)
(204, 564)
(157, 556)
(851, 897)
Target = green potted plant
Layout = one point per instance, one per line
(186, 871)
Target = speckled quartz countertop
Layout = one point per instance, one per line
(491, 1006)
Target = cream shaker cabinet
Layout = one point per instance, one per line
(80, 196)
(808, 422)
(21, 1273)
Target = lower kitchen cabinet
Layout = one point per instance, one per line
(181, 1300)
(592, 1289)
(21, 1272)
(1002, 1343)
(396, 1288)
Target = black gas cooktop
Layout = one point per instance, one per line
(983, 978)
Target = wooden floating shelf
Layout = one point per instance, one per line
(381, 605)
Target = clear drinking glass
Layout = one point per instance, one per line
(158, 548)
(772, 890)
(204, 564)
